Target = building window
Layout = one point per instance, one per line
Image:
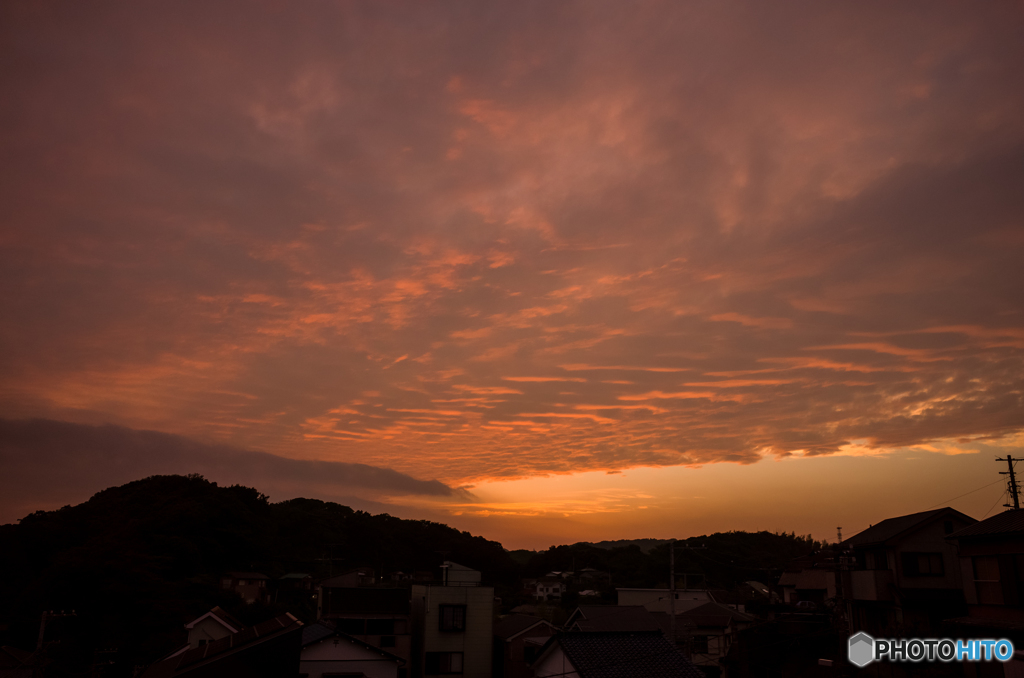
(387, 641)
(452, 618)
(700, 645)
(923, 565)
(443, 663)
(986, 580)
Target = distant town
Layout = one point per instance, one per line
(175, 576)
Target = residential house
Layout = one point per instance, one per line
(619, 618)
(380, 617)
(657, 600)
(357, 576)
(991, 555)
(517, 640)
(612, 655)
(708, 632)
(591, 577)
(326, 651)
(453, 625)
(902, 576)
(294, 589)
(267, 650)
(251, 586)
(807, 579)
(213, 625)
(547, 588)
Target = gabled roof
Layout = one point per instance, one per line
(321, 630)
(15, 658)
(236, 642)
(516, 624)
(891, 528)
(788, 578)
(622, 655)
(225, 619)
(1006, 523)
(619, 618)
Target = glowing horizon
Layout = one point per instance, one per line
(524, 246)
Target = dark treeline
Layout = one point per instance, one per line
(138, 561)
(724, 559)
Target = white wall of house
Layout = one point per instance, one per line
(207, 631)
(344, 656)
(475, 642)
(555, 663)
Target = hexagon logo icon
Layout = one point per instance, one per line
(862, 649)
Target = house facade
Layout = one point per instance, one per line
(380, 617)
(901, 576)
(251, 586)
(518, 639)
(329, 652)
(453, 625)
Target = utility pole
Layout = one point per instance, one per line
(47, 615)
(1011, 486)
(672, 590)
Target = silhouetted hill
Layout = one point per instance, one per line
(724, 558)
(137, 561)
(645, 544)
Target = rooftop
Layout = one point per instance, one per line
(1005, 523)
(891, 528)
(625, 655)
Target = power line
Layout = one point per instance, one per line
(964, 494)
(1001, 494)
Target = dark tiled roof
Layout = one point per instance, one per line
(615, 618)
(514, 624)
(318, 631)
(894, 527)
(221, 614)
(1007, 522)
(626, 655)
(191, 659)
(251, 635)
(17, 657)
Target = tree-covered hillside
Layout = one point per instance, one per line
(136, 562)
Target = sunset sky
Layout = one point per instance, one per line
(544, 271)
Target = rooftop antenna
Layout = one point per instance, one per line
(839, 535)
(1011, 485)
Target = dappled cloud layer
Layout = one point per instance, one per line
(471, 241)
